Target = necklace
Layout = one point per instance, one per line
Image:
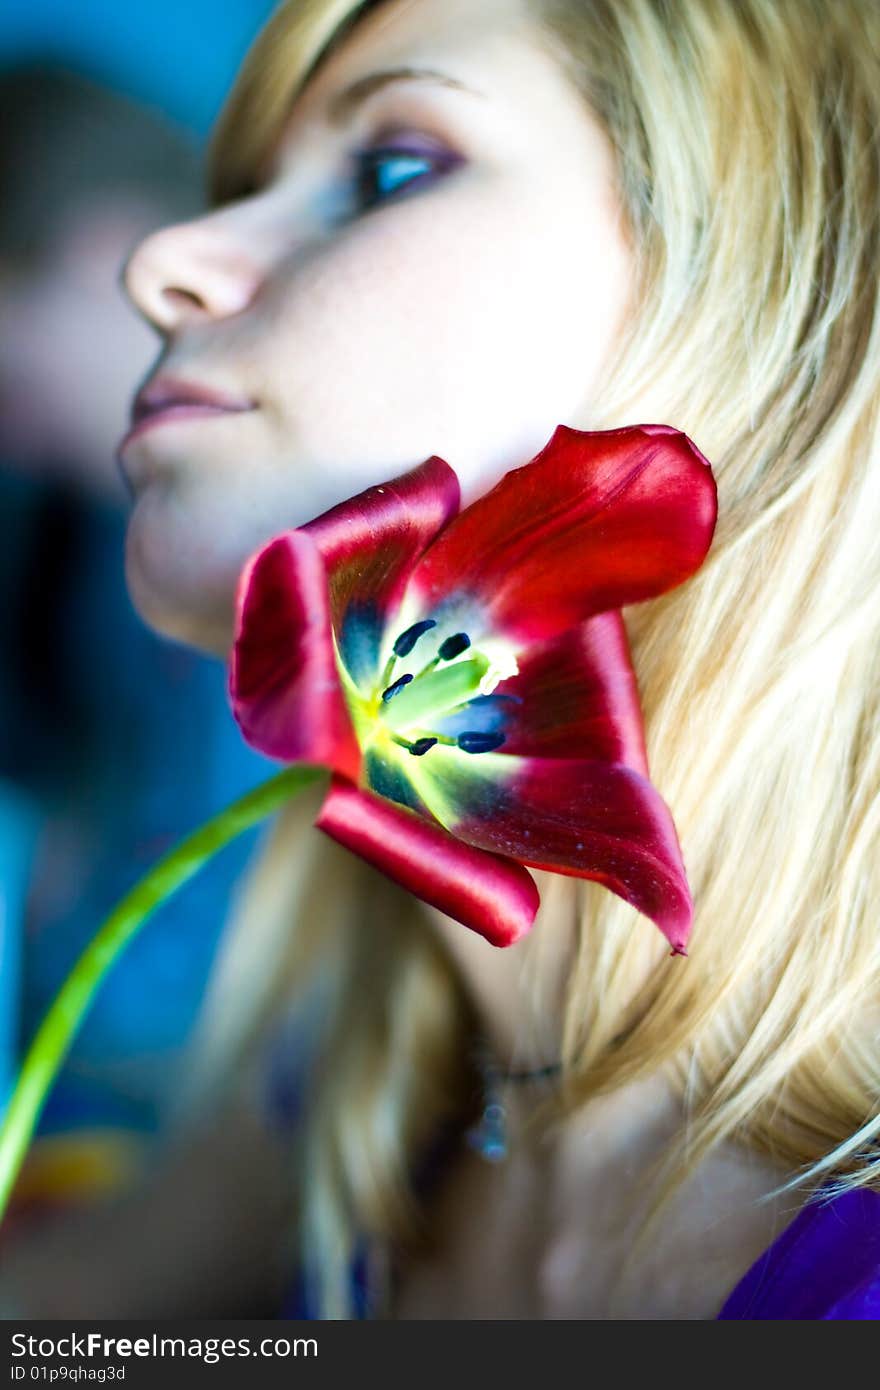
(488, 1137)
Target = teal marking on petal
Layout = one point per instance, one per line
(454, 785)
(357, 705)
(386, 774)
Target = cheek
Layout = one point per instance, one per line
(466, 324)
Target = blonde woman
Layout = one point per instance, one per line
(442, 228)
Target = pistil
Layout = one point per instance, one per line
(433, 692)
(407, 705)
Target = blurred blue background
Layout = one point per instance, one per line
(178, 58)
(114, 743)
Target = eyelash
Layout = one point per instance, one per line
(368, 162)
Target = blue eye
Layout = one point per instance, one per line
(383, 173)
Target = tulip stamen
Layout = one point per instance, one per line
(408, 638)
(395, 687)
(403, 645)
(386, 674)
(411, 704)
(474, 742)
(471, 741)
(418, 747)
(428, 668)
(453, 646)
(449, 648)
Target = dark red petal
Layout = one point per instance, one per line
(370, 544)
(577, 697)
(589, 819)
(597, 520)
(283, 682)
(486, 892)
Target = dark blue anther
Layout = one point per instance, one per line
(479, 743)
(395, 686)
(458, 642)
(421, 746)
(407, 640)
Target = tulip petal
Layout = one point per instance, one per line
(370, 544)
(597, 520)
(283, 681)
(575, 696)
(484, 891)
(592, 820)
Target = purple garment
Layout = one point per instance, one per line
(825, 1265)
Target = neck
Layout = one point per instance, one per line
(518, 992)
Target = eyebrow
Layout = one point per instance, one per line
(343, 104)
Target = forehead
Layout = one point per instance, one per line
(490, 45)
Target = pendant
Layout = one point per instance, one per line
(488, 1137)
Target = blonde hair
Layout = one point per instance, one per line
(746, 133)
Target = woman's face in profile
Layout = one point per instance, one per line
(431, 265)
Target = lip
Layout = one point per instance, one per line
(172, 413)
(169, 399)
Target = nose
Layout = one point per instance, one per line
(187, 273)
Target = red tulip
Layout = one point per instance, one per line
(466, 676)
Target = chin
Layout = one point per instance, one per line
(169, 592)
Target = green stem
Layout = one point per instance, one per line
(56, 1032)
